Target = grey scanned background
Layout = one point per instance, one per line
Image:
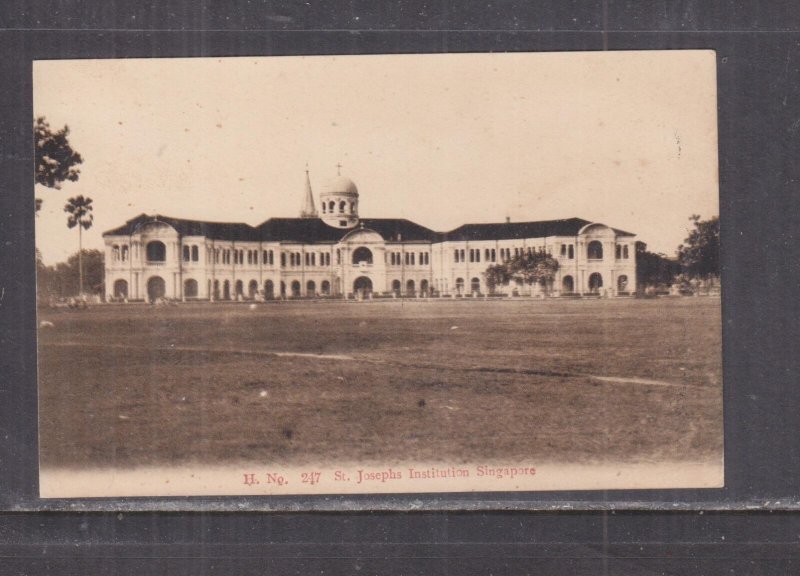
(758, 51)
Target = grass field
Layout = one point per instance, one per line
(561, 381)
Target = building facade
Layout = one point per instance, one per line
(330, 251)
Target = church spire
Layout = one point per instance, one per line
(309, 209)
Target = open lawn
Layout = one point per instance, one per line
(451, 381)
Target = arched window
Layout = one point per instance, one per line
(239, 288)
(120, 289)
(624, 251)
(342, 204)
(324, 207)
(156, 251)
(295, 289)
(311, 288)
(622, 284)
(459, 285)
(475, 285)
(325, 288)
(595, 282)
(190, 288)
(571, 251)
(187, 254)
(362, 254)
(567, 284)
(595, 250)
(115, 253)
(124, 252)
(396, 286)
(410, 287)
(195, 254)
(331, 206)
(352, 207)
(252, 289)
(216, 289)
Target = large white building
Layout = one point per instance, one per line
(330, 251)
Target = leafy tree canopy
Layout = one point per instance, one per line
(80, 212)
(654, 269)
(63, 279)
(528, 268)
(699, 253)
(55, 159)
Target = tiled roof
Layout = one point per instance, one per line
(312, 230)
(215, 230)
(306, 230)
(519, 230)
(315, 230)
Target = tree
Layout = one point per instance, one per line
(56, 161)
(533, 267)
(656, 270)
(496, 275)
(62, 279)
(699, 254)
(80, 215)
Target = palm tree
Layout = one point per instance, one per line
(80, 215)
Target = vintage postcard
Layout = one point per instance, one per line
(378, 274)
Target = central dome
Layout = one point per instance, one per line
(339, 185)
(339, 202)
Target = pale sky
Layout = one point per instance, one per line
(628, 139)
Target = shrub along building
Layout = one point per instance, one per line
(330, 251)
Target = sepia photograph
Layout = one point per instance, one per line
(378, 274)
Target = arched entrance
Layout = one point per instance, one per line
(325, 288)
(396, 287)
(622, 284)
(190, 288)
(311, 288)
(252, 289)
(567, 284)
(156, 288)
(595, 283)
(423, 287)
(475, 285)
(226, 290)
(295, 289)
(362, 287)
(269, 290)
(410, 288)
(121, 289)
(459, 286)
(239, 289)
